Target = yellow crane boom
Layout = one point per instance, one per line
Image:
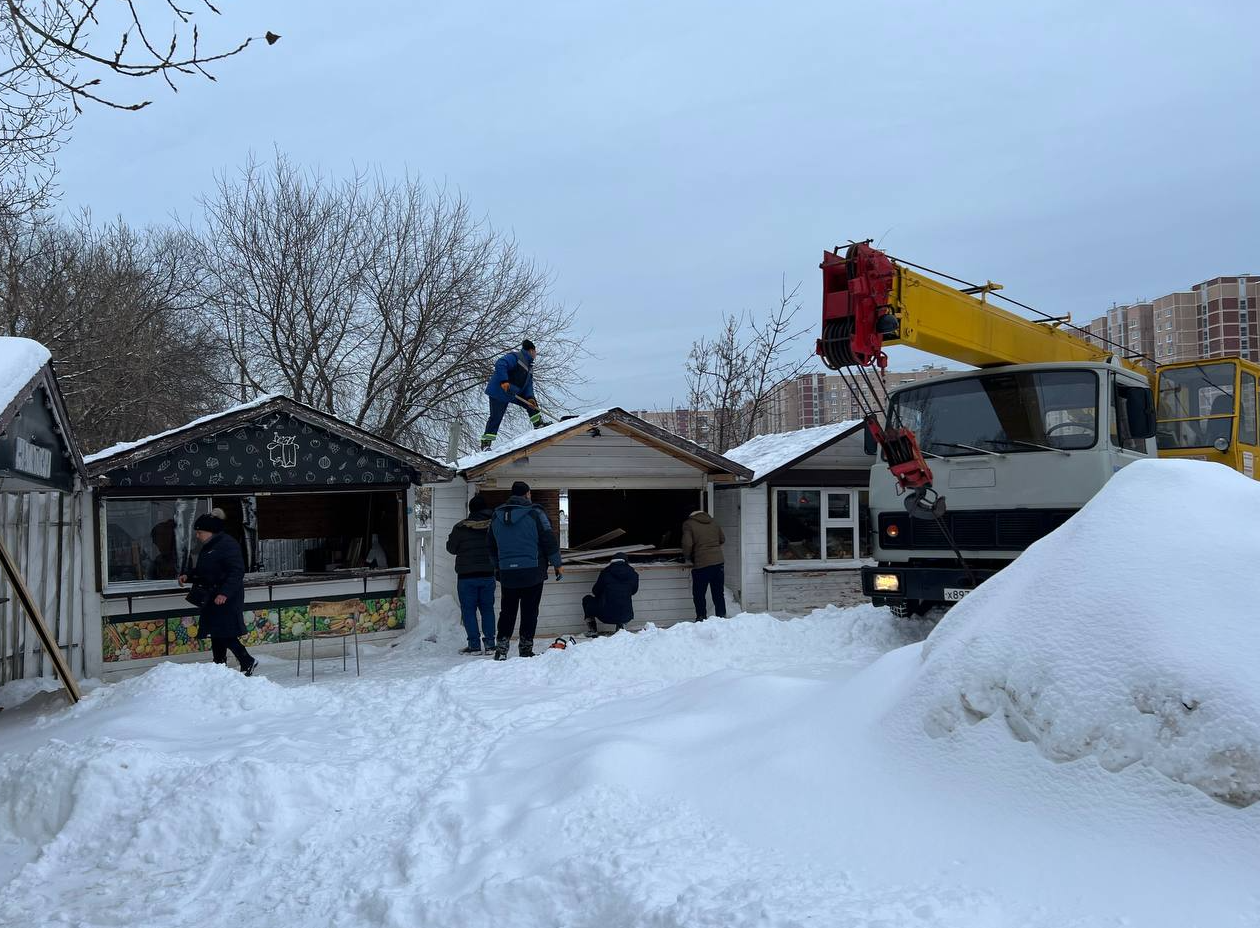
(870, 301)
(941, 320)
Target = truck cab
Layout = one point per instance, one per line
(1015, 450)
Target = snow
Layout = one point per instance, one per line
(505, 446)
(767, 453)
(744, 772)
(1129, 637)
(20, 360)
(130, 445)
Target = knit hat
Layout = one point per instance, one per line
(207, 522)
(527, 345)
(477, 504)
(520, 488)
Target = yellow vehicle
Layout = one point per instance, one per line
(1207, 412)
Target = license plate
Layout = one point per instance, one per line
(953, 594)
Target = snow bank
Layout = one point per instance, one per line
(767, 453)
(1130, 635)
(20, 360)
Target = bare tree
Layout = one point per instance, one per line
(120, 311)
(57, 54)
(385, 303)
(734, 377)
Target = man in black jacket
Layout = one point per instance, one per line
(611, 599)
(469, 543)
(218, 589)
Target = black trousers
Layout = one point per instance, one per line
(220, 646)
(712, 579)
(527, 598)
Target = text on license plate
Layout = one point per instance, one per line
(953, 594)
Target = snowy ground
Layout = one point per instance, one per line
(749, 772)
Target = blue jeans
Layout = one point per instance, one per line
(497, 409)
(477, 593)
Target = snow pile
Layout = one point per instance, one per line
(130, 445)
(767, 453)
(20, 360)
(1130, 635)
(744, 773)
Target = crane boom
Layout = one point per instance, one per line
(873, 301)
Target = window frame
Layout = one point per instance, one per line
(853, 522)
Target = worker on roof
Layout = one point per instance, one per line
(512, 383)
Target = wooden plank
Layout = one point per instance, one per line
(32, 612)
(605, 552)
(596, 542)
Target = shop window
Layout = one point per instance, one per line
(150, 539)
(820, 525)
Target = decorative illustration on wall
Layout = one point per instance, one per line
(284, 450)
(130, 638)
(277, 449)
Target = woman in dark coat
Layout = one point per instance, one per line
(218, 588)
(611, 600)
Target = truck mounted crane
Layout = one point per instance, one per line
(1018, 445)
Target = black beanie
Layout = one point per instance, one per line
(520, 488)
(477, 504)
(527, 345)
(207, 522)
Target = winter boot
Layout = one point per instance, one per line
(592, 630)
(526, 647)
(501, 649)
(485, 444)
(538, 421)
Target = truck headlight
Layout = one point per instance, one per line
(1221, 445)
(887, 583)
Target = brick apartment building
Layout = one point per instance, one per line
(1213, 319)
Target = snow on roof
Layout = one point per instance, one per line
(767, 453)
(20, 360)
(129, 445)
(524, 440)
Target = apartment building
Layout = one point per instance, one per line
(1176, 317)
(1227, 318)
(1213, 319)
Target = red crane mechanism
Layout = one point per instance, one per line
(857, 317)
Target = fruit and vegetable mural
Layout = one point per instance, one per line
(132, 639)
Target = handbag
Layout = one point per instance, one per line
(198, 596)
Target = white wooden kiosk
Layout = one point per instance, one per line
(608, 470)
(798, 530)
(324, 511)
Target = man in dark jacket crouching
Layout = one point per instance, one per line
(611, 599)
(218, 589)
(521, 545)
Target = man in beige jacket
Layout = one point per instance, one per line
(702, 541)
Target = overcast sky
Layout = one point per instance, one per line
(671, 161)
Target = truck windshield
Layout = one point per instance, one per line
(1196, 405)
(1010, 413)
